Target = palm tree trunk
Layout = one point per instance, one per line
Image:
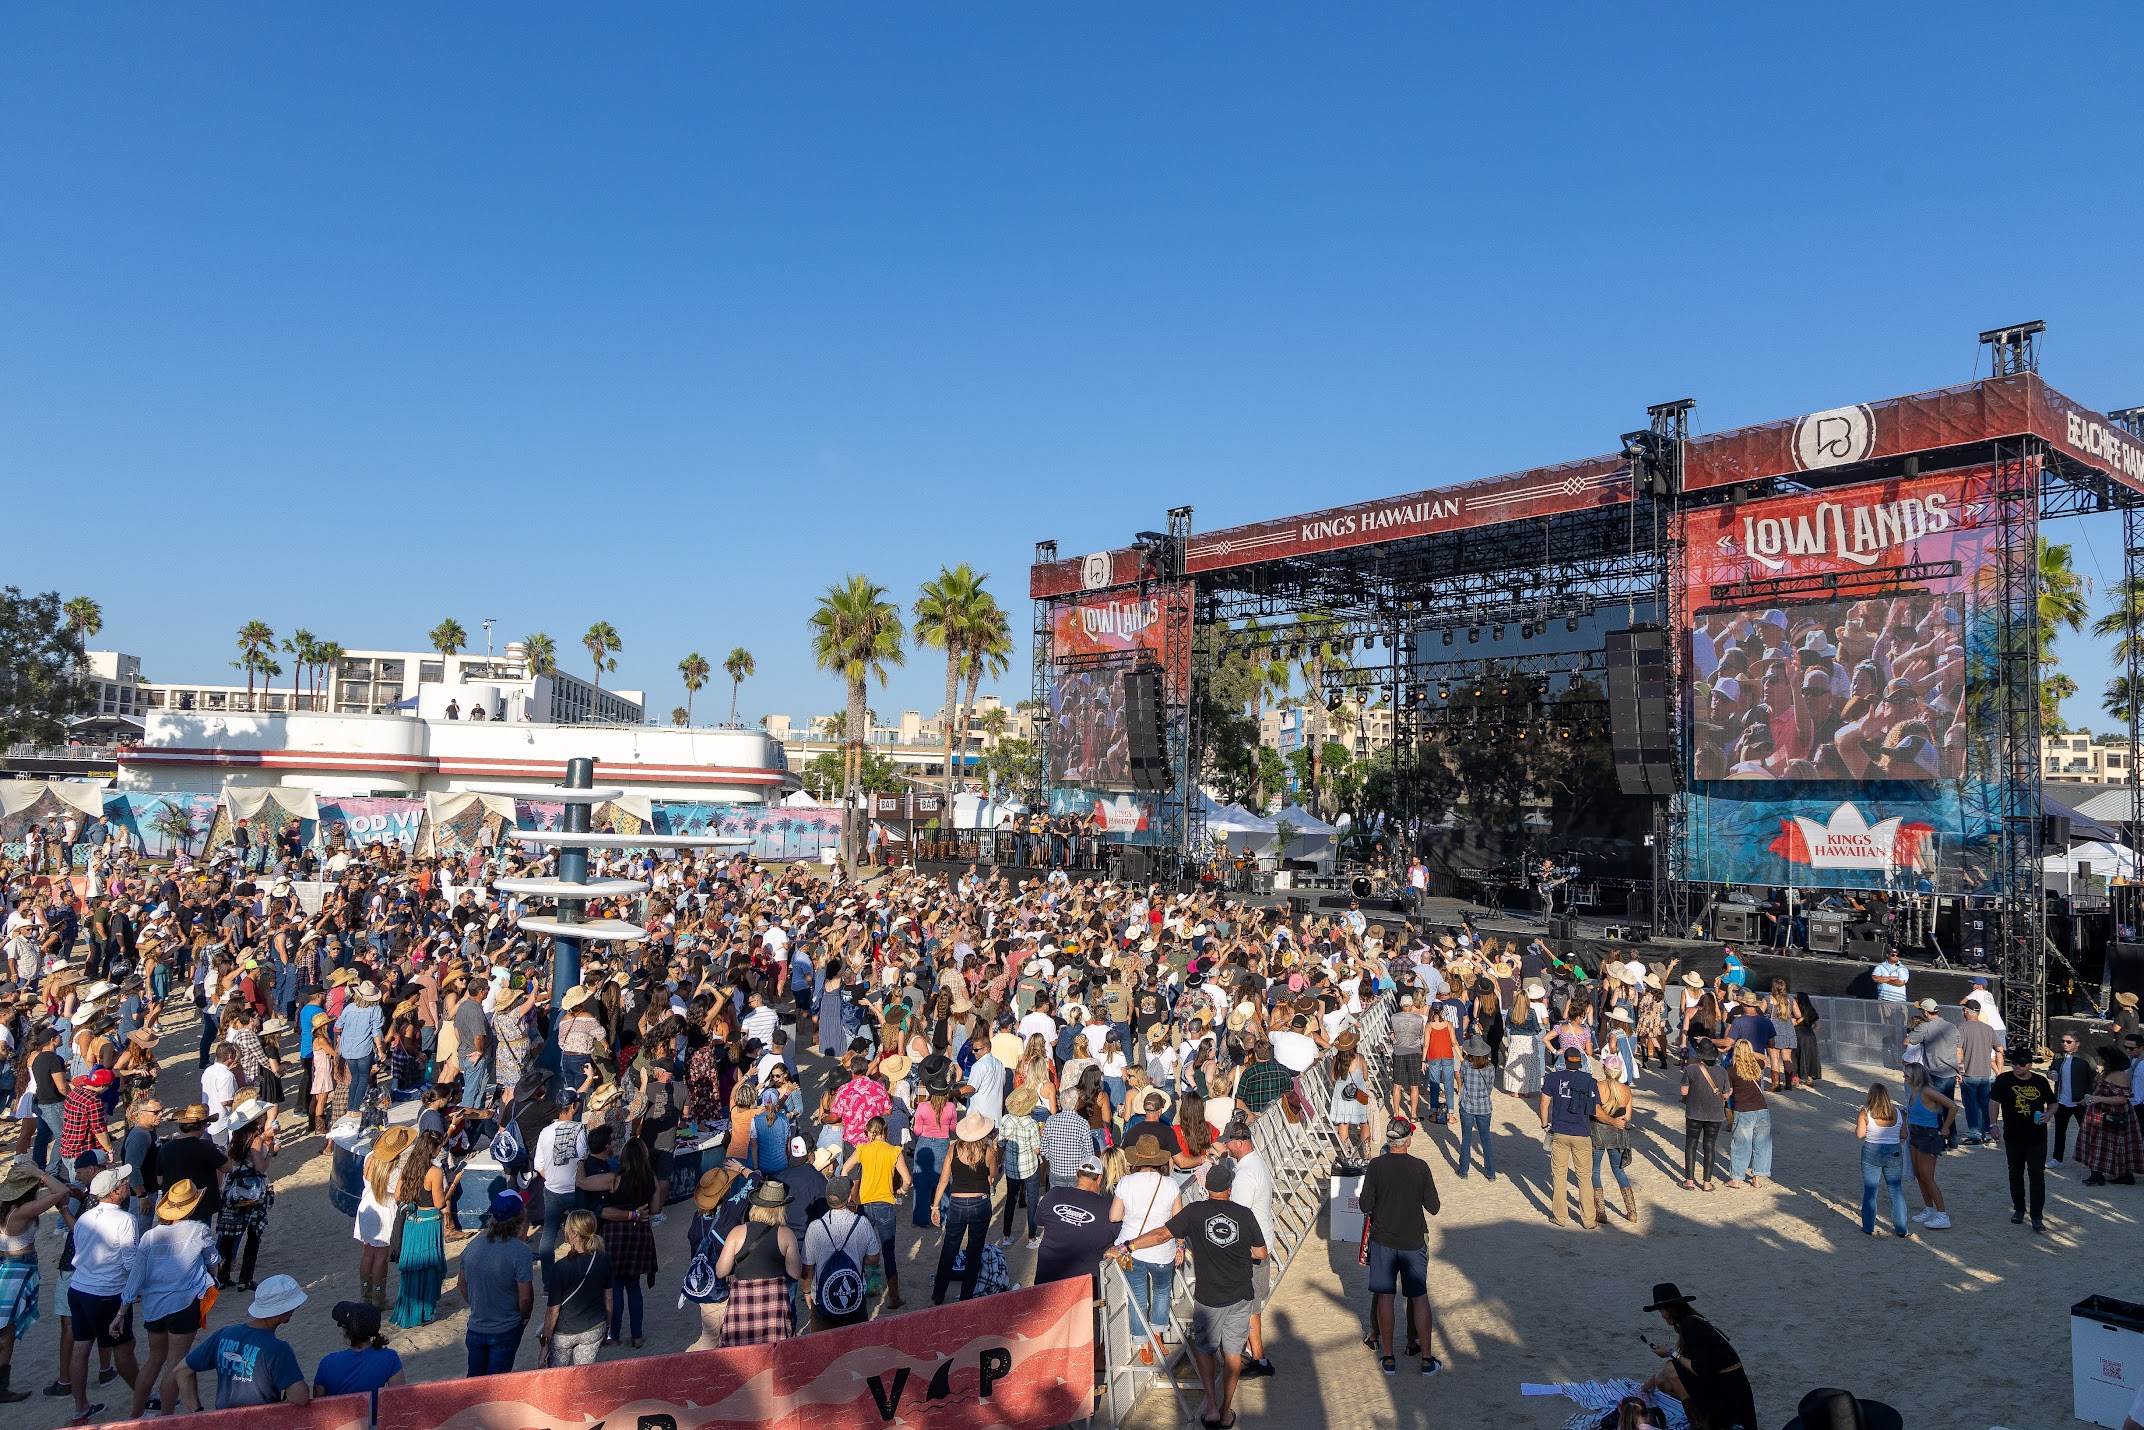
(688, 706)
(857, 731)
(952, 716)
(734, 683)
(967, 713)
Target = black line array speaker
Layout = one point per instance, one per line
(1143, 718)
(1641, 731)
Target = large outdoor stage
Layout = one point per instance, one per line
(1809, 649)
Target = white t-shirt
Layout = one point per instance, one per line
(1150, 1199)
(558, 1153)
(1041, 1023)
(219, 1086)
(1254, 1191)
(838, 1230)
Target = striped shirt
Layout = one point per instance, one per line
(1067, 1141)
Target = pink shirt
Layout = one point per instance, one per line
(931, 1123)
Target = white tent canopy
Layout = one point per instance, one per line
(87, 796)
(1312, 838)
(973, 811)
(801, 800)
(249, 801)
(2103, 859)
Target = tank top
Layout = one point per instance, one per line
(969, 1179)
(761, 1258)
(1920, 1114)
(1883, 1134)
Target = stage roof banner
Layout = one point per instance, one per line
(1974, 413)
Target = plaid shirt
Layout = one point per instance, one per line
(81, 1118)
(1022, 1139)
(1262, 1085)
(1476, 1085)
(252, 1057)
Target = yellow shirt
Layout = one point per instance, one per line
(875, 1161)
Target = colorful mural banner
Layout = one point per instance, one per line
(1019, 1358)
(328, 1412)
(372, 820)
(1909, 838)
(50, 814)
(158, 821)
(777, 834)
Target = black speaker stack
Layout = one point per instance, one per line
(1735, 923)
(1143, 728)
(1641, 732)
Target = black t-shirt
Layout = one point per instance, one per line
(1076, 1230)
(2024, 1099)
(45, 1068)
(1718, 1382)
(196, 1160)
(575, 1283)
(1221, 1235)
(1398, 1196)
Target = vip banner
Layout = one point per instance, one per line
(329, 1412)
(1839, 650)
(372, 821)
(777, 834)
(1023, 1358)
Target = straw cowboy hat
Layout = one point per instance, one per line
(392, 1143)
(1692, 980)
(178, 1201)
(368, 992)
(895, 1066)
(1019, 1102)
(575, 997)
(1146, 1150)
(194, 1114)
(318, 1016)
(341, 977)
(714, 1186)
(19, 1178)
(974, 1127)
(771, 1194)
(603, 1097)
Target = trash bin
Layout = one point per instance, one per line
(2106, 1358)
(1344, 1213)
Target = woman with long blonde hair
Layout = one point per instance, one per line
(1750, 1150)
(1929, 1115)
(1522, 1045)
(1879, 1126)
(375, 1226)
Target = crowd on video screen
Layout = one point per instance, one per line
(1087, 743)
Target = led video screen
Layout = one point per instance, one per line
(1087, 743)
(1868, 689)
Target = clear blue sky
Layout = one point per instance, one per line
(355, 317)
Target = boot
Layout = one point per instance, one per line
(1630, 1204)
(9, 1396)
(1596, 1215)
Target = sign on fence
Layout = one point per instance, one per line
(329, 1412)
(1021, 1358)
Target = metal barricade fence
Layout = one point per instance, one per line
(1300, 1155)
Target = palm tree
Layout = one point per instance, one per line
(300, 650)
(84, 616)
(2125, 623)
(448, 636)
(1319, 646)
(994, 720)
(540, 654)
(600, 642)
(739, 666)
(989, 652)
(856, 634)
(2120, 700)
(2062, 603)
(256, 641)
(693, 670)
(945, 609)
(326, 656)
(679, 715)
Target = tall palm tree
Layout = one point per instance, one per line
(448, 636)
(600, 642)
(300, 650)
(256, 644)
(540, 654)
(2062, 602)
(1320, 647)
(2125, 623)
(994, 720)
(84, 616)
(679, 715)
(989, 652)
(739, 666)
(856, 634)
(2120, 699)
(327, 655)
(693, 670)
(945, 609)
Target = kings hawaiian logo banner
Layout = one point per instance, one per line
(1848, 841)
(1016, 1359)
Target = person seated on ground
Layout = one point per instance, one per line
(1702, 1371)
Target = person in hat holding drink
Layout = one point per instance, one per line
(1702, 1371)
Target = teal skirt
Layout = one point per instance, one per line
(423, 1266)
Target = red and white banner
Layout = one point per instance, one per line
(329, 1412)
(1024, 1358)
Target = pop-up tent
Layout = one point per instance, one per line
(1240, 831)
(1312, 837)
(2060, 870)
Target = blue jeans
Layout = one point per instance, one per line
(492, 1352)
(360, 1081)
(1615, 1165)
(1751, 1151)
(476, 1082)
(624, 1296)
(1152, 1286)
(967, 1231)
(557, 1206)
(51, 1120)
(1975, 1100)
(1437, 1077)
(1474, 1127)
(930, 1157)
(1887, 1166)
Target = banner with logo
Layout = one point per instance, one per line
(1020, 1358)
(327, 1412)
(1140, 626)
(1116, 813)
(1837, 650)
(358, 822)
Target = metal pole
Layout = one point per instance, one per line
(572, 869)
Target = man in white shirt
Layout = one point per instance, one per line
(761, 1021)
(1891, 977)
(219, 1089)
(556, 1157)
(1254, 1192)
(105, 1241)
(1039, 1021)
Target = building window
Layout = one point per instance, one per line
(431, 672)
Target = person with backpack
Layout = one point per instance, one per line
(841, 1261)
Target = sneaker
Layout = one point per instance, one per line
(1257, 1367)
(2053, 1162)
(1034, 1243)
(658, 1219)
(1005, 1241)
(1431, 1365)
(2017, 1218)
(60, 1389)
(1939, 1222)
(1924, 1214)
(1388, 1365)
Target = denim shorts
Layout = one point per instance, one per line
(1928, 1140)
(1404, 1271)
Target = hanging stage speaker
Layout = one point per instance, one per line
(1641, 730)
(1143, 719)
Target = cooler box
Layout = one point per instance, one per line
(1344, 1211)
(2106, 1358)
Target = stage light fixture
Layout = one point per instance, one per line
(1526, 630)
(1444, 692)
(1522, 732)
(1473, 635)
(1504, 691)
(1565, 732)
(1570, 623)
(1447, 636)
(1496, 633)
(1477, 690)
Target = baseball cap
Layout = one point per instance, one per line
(1221, 1175)
(1399, 1129)
(1092, 1167)
(1926, 1005)
(110, 1180)
(506, 1204)
(357, 1317)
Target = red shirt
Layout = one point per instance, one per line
(1439, 1042)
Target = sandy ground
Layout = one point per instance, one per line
(1930, 1325)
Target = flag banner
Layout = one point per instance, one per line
(328, 1412)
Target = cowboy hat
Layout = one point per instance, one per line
(1829, 1408)
(1692, 980)
(274, 1025)
(1020, 1102)
(714, 1185)
(180, 1198)
(96, 991)
(368, 992)
(1005, 1047)
(771, 1194)
(392, 1142)
(1474, 1047)
(342, 976)
(19, 1177)
(1146, 1150)
(318, 1016)
(895, 1066)
(936, 1072)
(574, 998)
(603, 1097)
(1665, 1294)
(1536, 992)
(974, 1127)
(194, 1114)
(245, 1114)
(1652, 981)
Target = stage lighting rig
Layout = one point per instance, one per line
(1447, 636)
(2013, 349)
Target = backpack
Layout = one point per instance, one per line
(840, 1290)
(700, 1285)
(506, 1146)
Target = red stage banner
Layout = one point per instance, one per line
(1023, 1358)
(328, 1412)
(1132, 624)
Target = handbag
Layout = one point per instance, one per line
(394, 1240)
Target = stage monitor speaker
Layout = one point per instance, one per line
(1137, 864)
(2055, 832)
(1864, 940)
(1559, 927)
(1827, 933)
(1144, 731)
(1734, 923)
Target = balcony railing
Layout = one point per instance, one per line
(88, 754)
